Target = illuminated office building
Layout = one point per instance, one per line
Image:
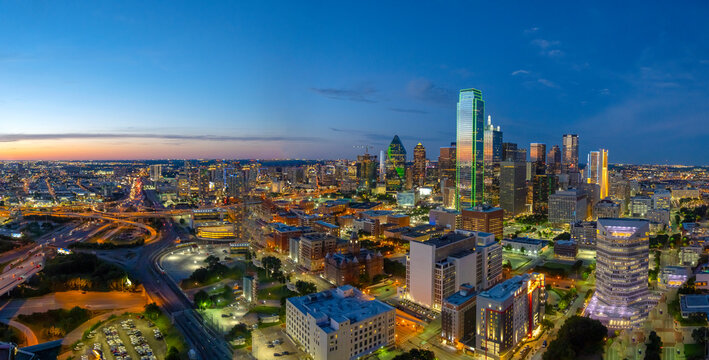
(367, 170)
(597, 171)
(570, 153)
(622, 298)
(419, 169)
(493, 143)
(513, 190)
(446, 162)
(469, 149)
(395, 166)
(554, 160)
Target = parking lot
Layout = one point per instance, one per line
(125, 337)
(272, 342)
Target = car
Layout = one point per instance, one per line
(276, 354)
(271, 345)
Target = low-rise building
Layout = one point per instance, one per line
(341, 323)
(565, 249)
(584, 233)
(450, 219)
(693, 304)
(483, 218)
(673, 276)
(689, 255)
(355, 266)
(525, 245)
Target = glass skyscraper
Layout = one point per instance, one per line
(395, 166)
(470, 149)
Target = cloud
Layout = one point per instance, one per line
(520, 72)
(61, 136)
(548, 83)
(425, 90)
(544, 44)
(531, 30)
(361, 94)
(549, 48)
(373, 138)
(409, 111)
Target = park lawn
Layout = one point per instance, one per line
(172, 336)
(265, 310)
(693, 350)
(275, 292)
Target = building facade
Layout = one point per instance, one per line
(513, 189)
(469, 149)
(419, 169)
(458, 315)
(395, 166)
(340, 323)
(567, 206)
(483, 218)
(622, 298)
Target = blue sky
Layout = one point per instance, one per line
(265, 79)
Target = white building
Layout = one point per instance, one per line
(435, 269)
(622, 299)
(340, 323)
(568, 206)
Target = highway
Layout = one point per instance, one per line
(21, 269)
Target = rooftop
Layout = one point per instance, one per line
(505, 289)
(449, 238)
(339, 304)
(526, 240)
(461, 296)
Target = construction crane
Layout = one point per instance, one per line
(365, 147)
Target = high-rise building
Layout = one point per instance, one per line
(395, 166)
(436, 268)
(607, 208)
(554, 160)
(446, 162)
(639, 206)
(622, 299)
(597, 171)
(493, 143)
(510, 152)
(570, 153)
(513, 189)
(469, 149)
(538, 153)
(340, 323)
(567, 206)
(250, 286)
(507, 314)
(367, 170)
(419, 169)
(584, 233)
(543, 186)
(483, 218)
(155, 172)
(661, 199)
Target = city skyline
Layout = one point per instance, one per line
(148, 81)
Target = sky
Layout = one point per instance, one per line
(318, 80)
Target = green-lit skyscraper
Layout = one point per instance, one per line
(470, 149)
(395, 166)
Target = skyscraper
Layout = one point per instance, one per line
(554, 160)
(513, 190)
(493, 143)
(570, 156)
(622, 299)
(597, 171)
(395, 165)
(446, 162)
(367, 170)
(419, 170)
(469, 149)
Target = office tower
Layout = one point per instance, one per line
(155, 172)
(510, 152)
(395, 166)
(661, 199)
(469, 149)
(483, 218)
(597, 171)
(567, 206)
(419, 169)
(493, 143)
(458, 315)
(382, 166)
(446, 162)
(340, 323)
(554, 160)
(312, 249)
(367, 170)
(584, 233)
(622, 299)
(437, 267)
(513, 189)
(607, 208)
(543, 186)
(639, 206)
(537, 153)
(507, 314)
(570, 153)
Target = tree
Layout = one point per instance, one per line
(654, 347)
(546, 324)
(305, 288)
(416, 354)
(700, 335)
(393, 267)
(172, 354)
(211, 260)
(579, 336)
(152, 311)
(272, 264)
(202, 299)
(508, 247)
(522, 250)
